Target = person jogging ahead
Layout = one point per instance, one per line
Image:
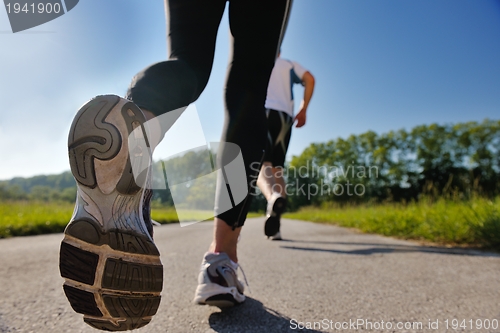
(280, 117)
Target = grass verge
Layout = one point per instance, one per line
(24, 218)
(475, 222)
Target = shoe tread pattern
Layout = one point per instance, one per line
(127, 276)
(131, 307)
(90, 232)
(77, 265)
(108, 325)
(141, 282)
(91, 137)
(127, 312)
(82, 301)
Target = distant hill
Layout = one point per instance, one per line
(62, 187)
(46, 188)
(59, 181)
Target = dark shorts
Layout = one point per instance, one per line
(280, 131)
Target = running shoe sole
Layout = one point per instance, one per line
(276, 237)
(223, 298)
(272, 225)
(111, 266)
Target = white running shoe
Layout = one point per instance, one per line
(111, 266)
(276, 236)
(218, 283)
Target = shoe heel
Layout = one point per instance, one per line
(114, 292)
(125, 312)
(279, 206)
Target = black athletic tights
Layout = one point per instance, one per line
(257, 28)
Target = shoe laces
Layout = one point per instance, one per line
(245, 278)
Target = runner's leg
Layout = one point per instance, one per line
(257, 28)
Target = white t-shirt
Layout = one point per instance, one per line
(279, 92)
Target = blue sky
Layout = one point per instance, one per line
(379, 65)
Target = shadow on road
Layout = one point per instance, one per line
(3, 327)
(252, 316)
(375, 248)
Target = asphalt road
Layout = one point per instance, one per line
(320, 276)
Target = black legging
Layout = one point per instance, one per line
(257, 28)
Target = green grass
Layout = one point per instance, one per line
(475, 222)
(23, 218)
(33, 218)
